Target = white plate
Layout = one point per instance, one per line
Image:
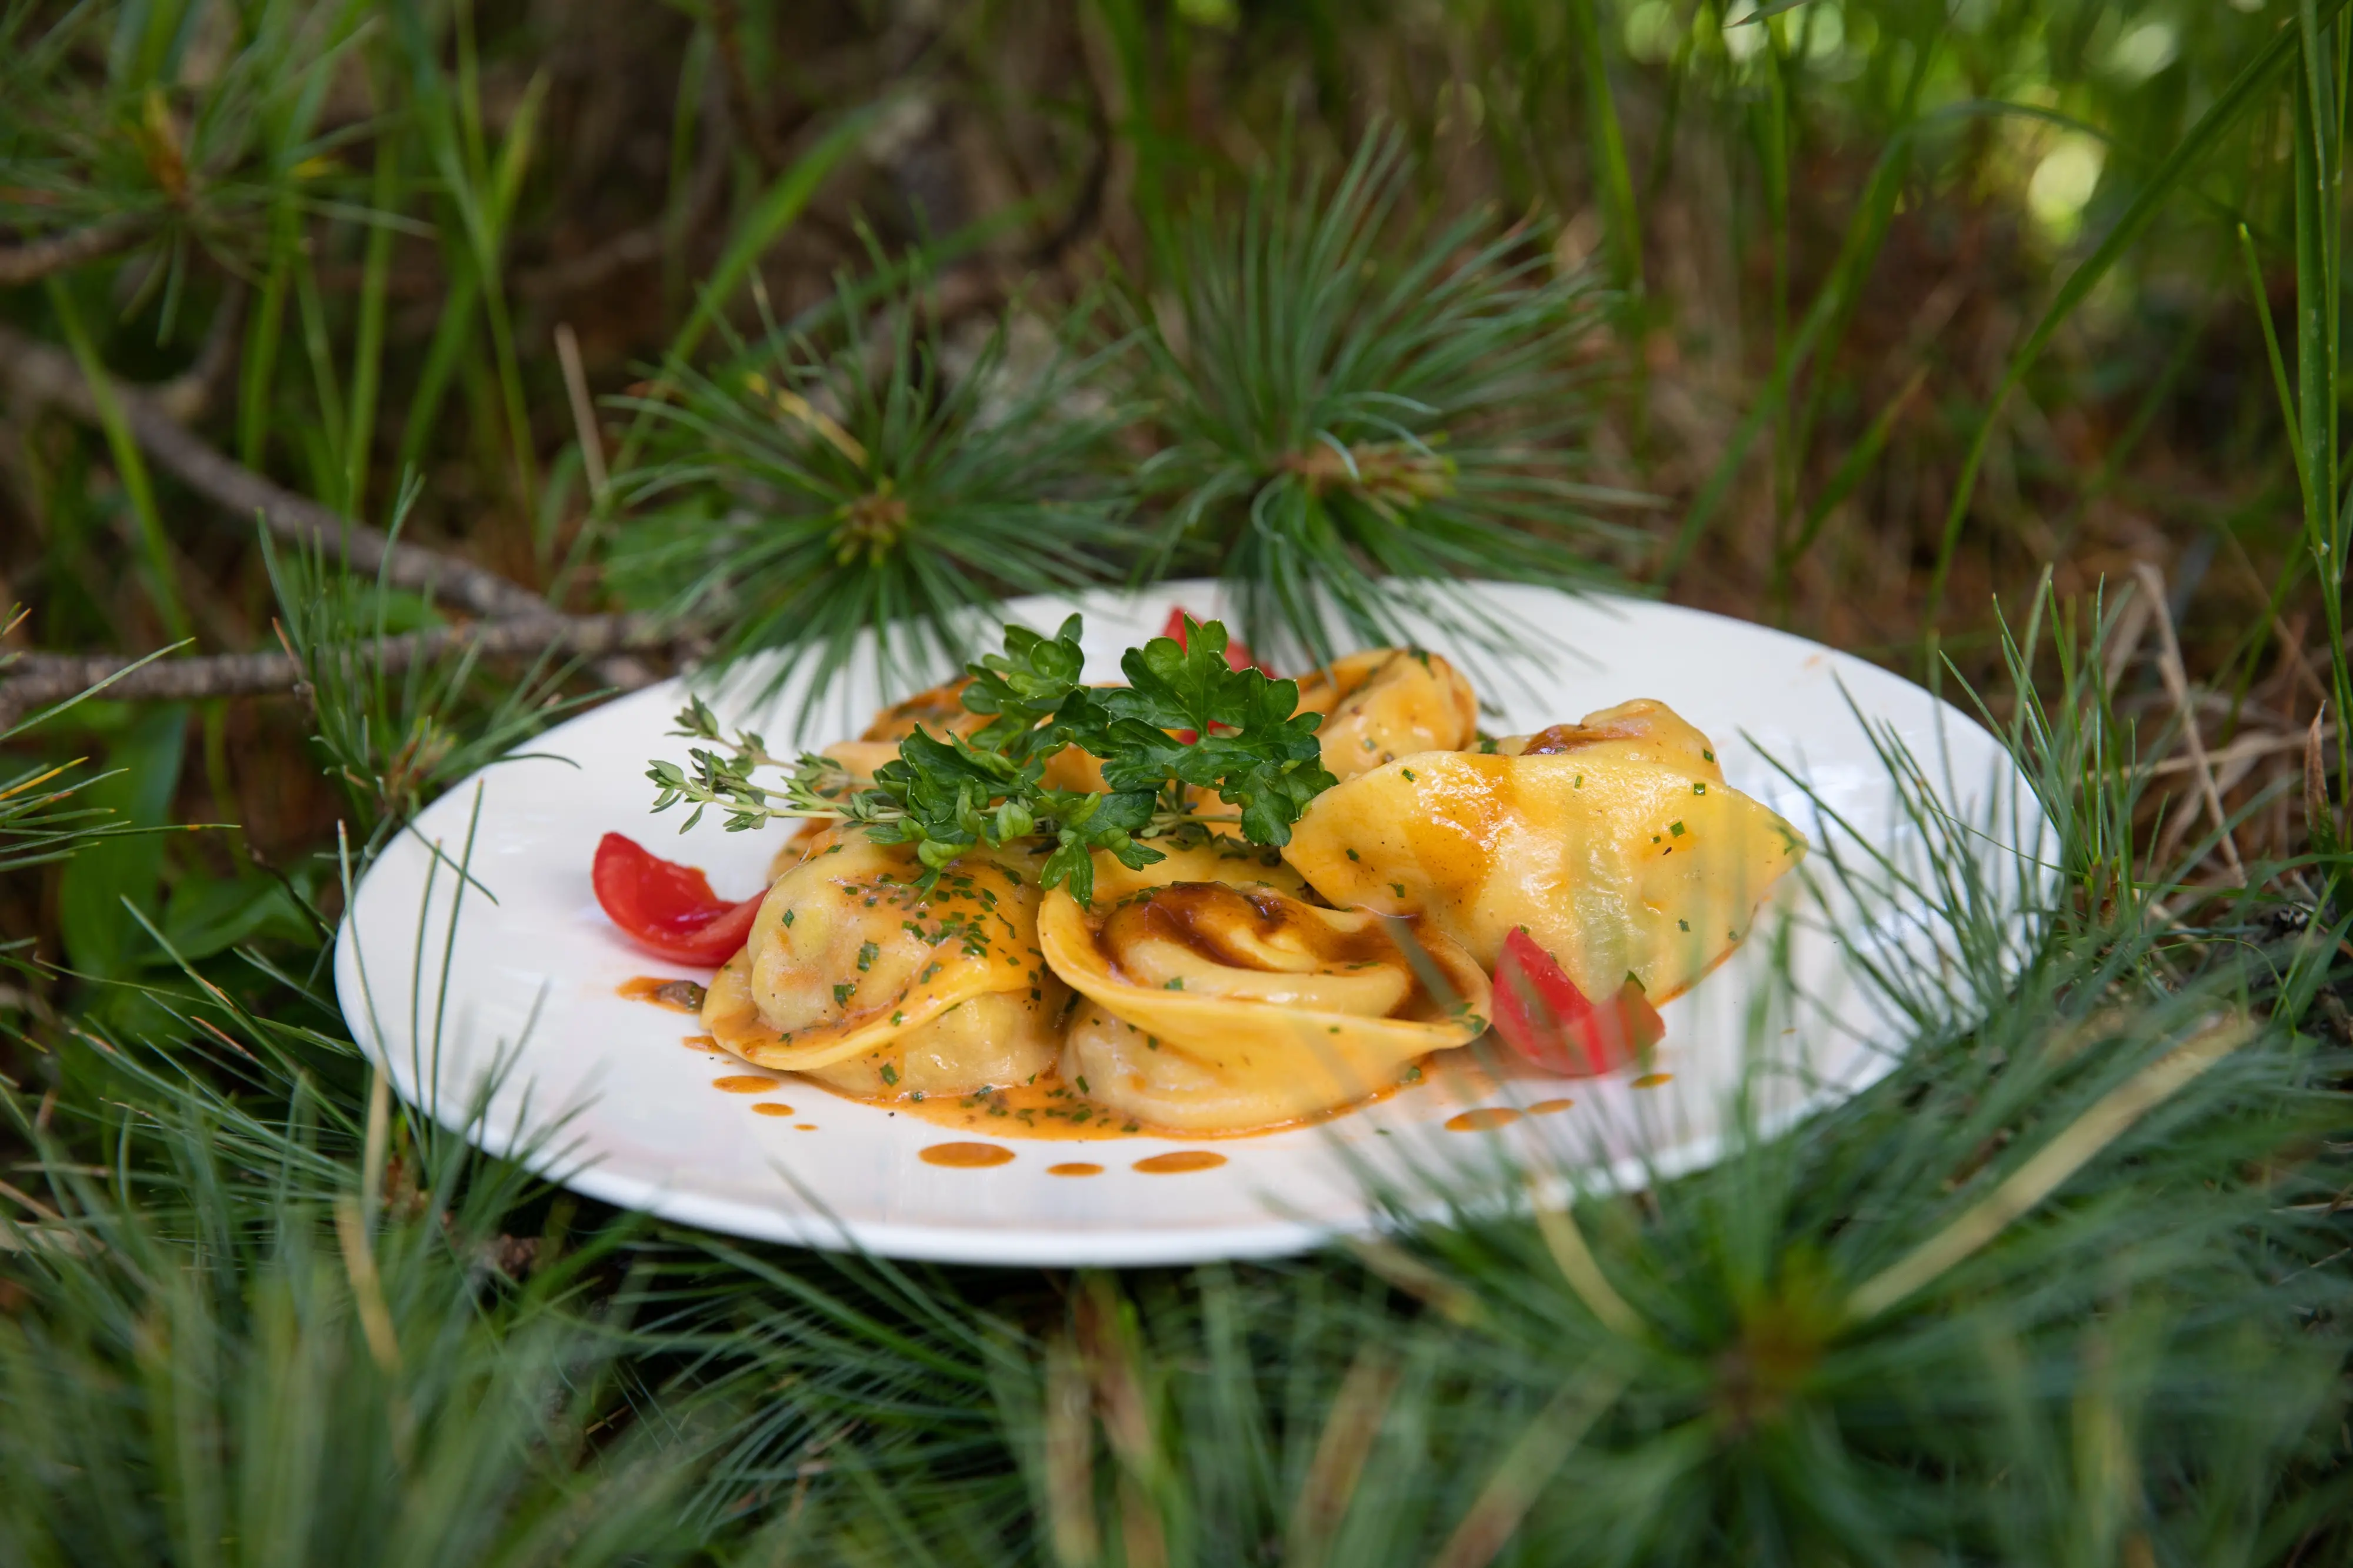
(496, 1010)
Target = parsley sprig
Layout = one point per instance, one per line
(1186, 721)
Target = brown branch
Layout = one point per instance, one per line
(36, 681)
(49, 375)
(37, 259)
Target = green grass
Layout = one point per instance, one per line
(1310, 295)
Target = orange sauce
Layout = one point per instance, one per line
(965, 1156)
(1483, 1118)
(1653, 1080)
(1074, 1168)
(1046, 1109)
(700, 1043)
(1549, 1107)
(804, 1126)
(772, 1107)
(1181, 1160)
(670, 993)
(745, 1083)
(1049, 1109)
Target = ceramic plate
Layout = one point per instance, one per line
(493, 998)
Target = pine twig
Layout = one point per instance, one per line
(37, 259)
(47, 376)
(2104, 1120)
(34, 680)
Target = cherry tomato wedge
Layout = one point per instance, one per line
(666, 908)
(1542, 1014)
(1238, 653)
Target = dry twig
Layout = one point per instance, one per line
(35, 679)
(2177, 686)
(2246, 748)
(37, 259)
(46, 375)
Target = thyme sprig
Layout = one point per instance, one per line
(1186, 723)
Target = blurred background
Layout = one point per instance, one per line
(343, 243)
(601, 336)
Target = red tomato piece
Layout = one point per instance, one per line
(666, 908)
(1238, 653)
(1542, 1014)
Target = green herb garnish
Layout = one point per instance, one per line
(1184, 720)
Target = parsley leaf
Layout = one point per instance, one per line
(1032, 681)
(1245, 742)
(1185, 721)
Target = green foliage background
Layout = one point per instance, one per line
(1998, 340)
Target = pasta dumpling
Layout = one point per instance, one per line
(938, 710)
(1208, 1007)
(858, 979)
(1387, 703)
(1232, 861)
(1643, 731)
(1614, 844)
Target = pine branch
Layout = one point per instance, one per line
(50, 376)
(34, 680)
(37, 259)
(800, 494)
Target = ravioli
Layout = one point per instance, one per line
(1614, 843)
(1210, 1007)
(1385, 704)
(856, 978)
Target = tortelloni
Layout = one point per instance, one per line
(1387, 703)
(1210, 1007)
(1615, 843)
(856, 978)
(1643, 731)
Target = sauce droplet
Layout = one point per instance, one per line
(772, 1107)
(966, 1154)
(744, 1083)
(1182, 1160)
(804, 1126)
(1653, 1080)
(700, 1043)
(1483, 1118)
(1549, 1107)
(679, 996)
(1074, 1168)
